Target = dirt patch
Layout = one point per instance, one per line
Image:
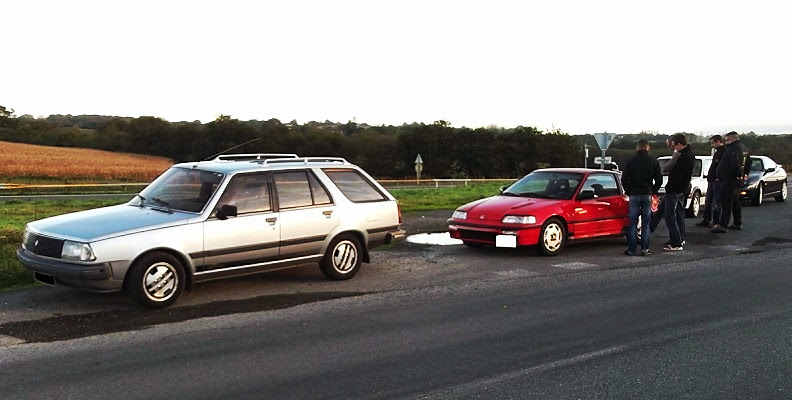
(426, 221)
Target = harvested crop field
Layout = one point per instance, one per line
(25, 162)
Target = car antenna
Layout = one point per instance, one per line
(229, 149)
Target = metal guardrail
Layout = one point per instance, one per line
(7, 186)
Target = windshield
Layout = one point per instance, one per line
(180, 189)
(545, 184)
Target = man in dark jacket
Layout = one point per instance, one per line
(641, 179)
(676, 192)
(712, 209)
(732, 170)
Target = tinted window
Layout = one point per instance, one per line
(249, 193)
(355, 186)
(602, 185)
(299, 189)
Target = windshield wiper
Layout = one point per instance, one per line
(526, 194)
(162, 203)
(538, 195)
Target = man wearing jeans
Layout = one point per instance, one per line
(676, 192)
(641, 179)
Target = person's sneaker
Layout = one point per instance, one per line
(714, 224)
(703, 223)
(671, 247)
(718, 229)
(735, 227)
(629, 253)
(646, 252)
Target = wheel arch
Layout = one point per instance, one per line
(360, 236)
(187, 265)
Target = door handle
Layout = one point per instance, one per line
(327, 213)
(272, 220)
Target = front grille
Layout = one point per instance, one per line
(477, 235)
(44, 246)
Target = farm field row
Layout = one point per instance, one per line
(27, 163)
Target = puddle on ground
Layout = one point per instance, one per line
(437, 239)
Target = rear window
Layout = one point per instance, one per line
(355, 186)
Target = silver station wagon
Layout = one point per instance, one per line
(231, 216)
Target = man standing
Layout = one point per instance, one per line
(641, 179)
(657, 216)
(731, 172)
(712, 209)
(676, 192)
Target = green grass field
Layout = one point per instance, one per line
(14, 214)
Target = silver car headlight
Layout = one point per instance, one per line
(459, 214)
(77, 251)
(26, 236)
(519, 219)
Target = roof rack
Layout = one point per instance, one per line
(305, 160)
(252, 157)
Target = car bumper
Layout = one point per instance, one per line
(488, 235)
(94, 277)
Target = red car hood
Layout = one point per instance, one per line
(496, 207)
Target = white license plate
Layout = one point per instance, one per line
(505, 241)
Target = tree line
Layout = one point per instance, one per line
(383, 151)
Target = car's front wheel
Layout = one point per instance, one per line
(156, 280)
(552, 237)
(343, 258)
(783, 195)
(757, 200)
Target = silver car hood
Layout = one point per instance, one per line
(107, 222)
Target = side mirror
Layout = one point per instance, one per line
(770, 170)
(503, 189)
(585, 195)
(225, 211)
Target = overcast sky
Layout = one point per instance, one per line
(578, 66)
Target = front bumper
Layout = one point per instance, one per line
(93, 277)
(488, 235)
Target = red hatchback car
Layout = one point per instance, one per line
(546, 208)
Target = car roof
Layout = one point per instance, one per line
(577, 170)
(232, 165)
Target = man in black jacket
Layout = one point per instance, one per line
(732, 170)
(641, 179)
(712, 209)
(676, 192)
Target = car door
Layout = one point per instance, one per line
(605, 214)
(307, 212)
(253, 235)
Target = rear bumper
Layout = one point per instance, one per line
(94, 277)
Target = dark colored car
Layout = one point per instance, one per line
(767, 179)
(546, 208)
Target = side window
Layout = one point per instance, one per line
(603, 185)
(697, 168)
(248, 192)
(319, 192)
(299, 189)
(293, 189)
(354, 185)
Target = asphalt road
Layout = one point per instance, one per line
(711, 322)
